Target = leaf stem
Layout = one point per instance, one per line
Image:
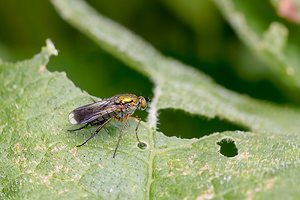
(152, 117)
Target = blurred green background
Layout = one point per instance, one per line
(194, 32)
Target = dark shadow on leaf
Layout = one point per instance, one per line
(181, 124)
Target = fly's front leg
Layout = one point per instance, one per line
(136, 129)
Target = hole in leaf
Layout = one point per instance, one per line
(142, 145)
(181, 124)
(228, 147)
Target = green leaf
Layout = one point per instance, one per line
(39, 159)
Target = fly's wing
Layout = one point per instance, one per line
(91, 112)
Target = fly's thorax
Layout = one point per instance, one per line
(127, 99)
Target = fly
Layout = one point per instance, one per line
(119, 107)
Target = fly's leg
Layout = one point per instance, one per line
(120, 137)
(137, 127)
(80, 128)
(99, 123)
(95, 132)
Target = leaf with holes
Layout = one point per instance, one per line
(39, 159)
(181, 87)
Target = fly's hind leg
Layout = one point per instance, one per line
(80, 128)
(99, 123)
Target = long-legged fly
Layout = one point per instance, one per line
(119, 107)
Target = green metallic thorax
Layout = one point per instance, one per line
(127, 98)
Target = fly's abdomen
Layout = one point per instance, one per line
(108, 114)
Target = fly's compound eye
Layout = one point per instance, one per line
(143, 104)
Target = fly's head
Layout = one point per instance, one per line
(142, 102)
